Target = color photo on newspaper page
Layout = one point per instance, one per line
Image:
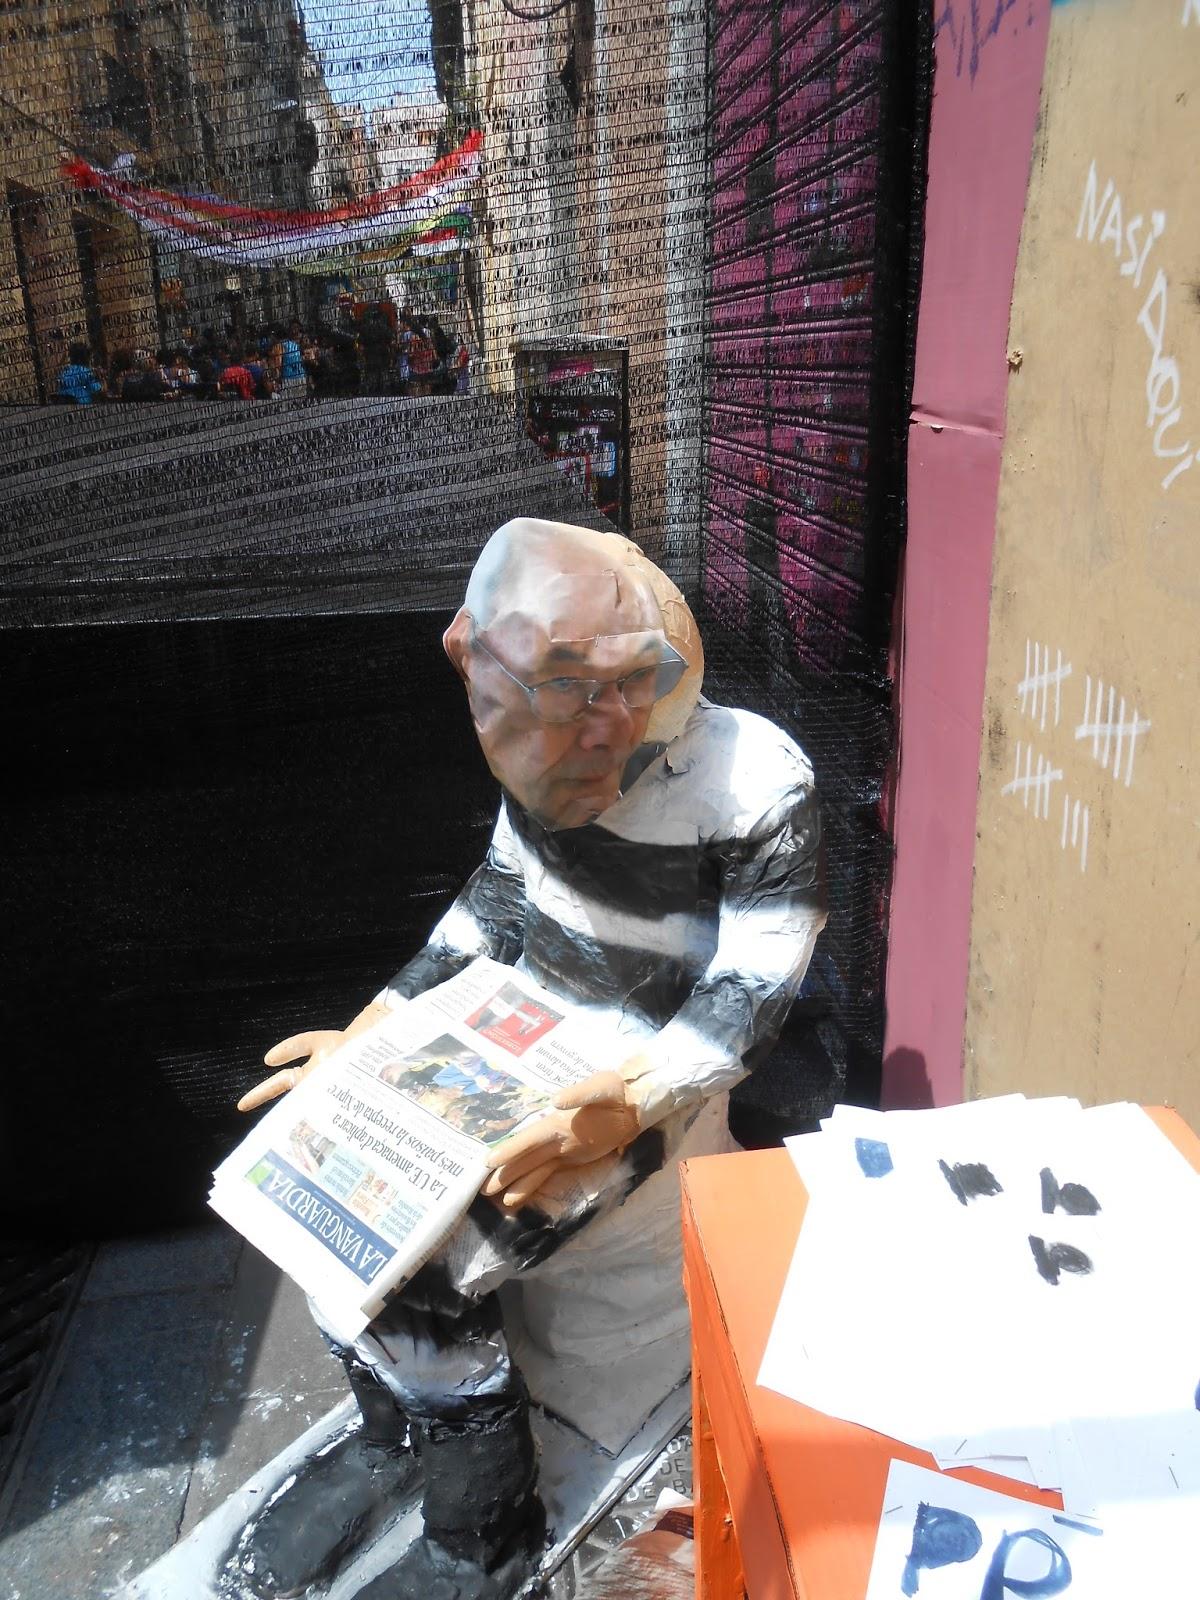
(513, 1019)
(453, 1080)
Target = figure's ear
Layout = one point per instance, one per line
(456, 642)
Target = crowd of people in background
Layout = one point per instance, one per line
(409, 356)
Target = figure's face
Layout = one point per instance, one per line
(563, 646)
(565, 773)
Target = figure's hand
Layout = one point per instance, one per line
(316, 1046)
(590, 1120)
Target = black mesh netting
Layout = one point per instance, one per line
(816, 168)
(298, 303)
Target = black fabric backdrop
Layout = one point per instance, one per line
(242, 787)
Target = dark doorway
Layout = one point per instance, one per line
(85, 250)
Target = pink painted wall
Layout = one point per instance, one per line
(989, 58)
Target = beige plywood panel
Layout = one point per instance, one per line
(1084, 973)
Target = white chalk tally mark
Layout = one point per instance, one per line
(1191, 11)
(1040, 677)
(1076, 815)
(1035, 781)
(1110, 722)
(1113, 733)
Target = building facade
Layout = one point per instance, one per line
(592, 217)
(201, 96)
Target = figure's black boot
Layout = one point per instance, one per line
(336, 1501)
(484, 1522)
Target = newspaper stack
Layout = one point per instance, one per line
(353, 1180)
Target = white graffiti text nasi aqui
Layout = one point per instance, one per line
(1103, 220)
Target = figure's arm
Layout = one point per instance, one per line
(487, 919)
(773, 906)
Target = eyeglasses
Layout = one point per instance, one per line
(567, 699)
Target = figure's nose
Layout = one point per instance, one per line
(607, 721)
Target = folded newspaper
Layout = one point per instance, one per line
(354, 1179)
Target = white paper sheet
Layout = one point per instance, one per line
(980, 1276)
(942, 1539)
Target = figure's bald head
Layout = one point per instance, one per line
(564, 581)
(552, 601)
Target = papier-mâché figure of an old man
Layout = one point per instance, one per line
(657, 858)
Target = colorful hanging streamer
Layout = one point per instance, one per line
(427, 212)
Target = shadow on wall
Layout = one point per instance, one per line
(907, 1078)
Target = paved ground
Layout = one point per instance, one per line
(188, 1363)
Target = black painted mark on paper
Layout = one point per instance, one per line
(874, 1157)
(996, 1585)
(1053, 1259)
(1072, 1198)
(970, 1179)
(940, 1538)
